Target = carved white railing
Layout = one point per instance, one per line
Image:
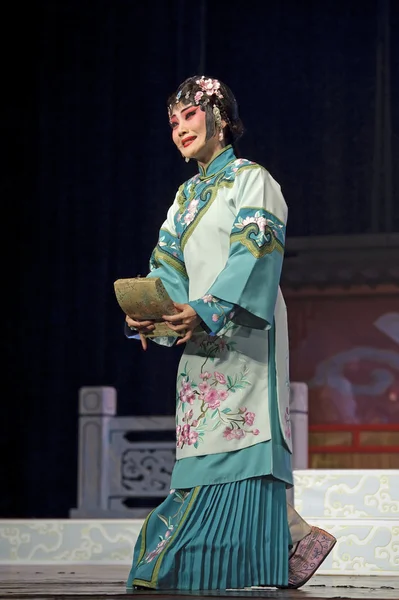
(125, 463)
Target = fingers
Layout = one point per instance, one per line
(185, 339)
(146, 326)
(179, 328)
(143, 341)
(186, 312)
(174, 318)
(179, 306)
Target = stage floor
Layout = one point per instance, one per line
(100, 582)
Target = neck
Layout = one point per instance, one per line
(209, 156)
(218, 161)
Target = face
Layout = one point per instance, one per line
(188, 123)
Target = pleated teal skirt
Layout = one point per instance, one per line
(215, 537)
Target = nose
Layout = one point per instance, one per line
(182, 129)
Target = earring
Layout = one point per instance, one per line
(186, 159)
(221, 136)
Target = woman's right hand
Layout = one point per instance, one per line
(142, 327)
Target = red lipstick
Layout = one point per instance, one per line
(187, 140)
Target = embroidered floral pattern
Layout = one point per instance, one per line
(196, 196)
(202, 404)
(168, 251)
(258, 243)
(191, 210)
(267, 224)
(168, 243)
(170, 524)
(221, 313)
(211, 346)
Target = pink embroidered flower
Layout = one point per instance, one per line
(192, 438)
(208, 298)
(261, 222)
(194, 423)
(242, 409)
(212, 398)
(188, 415)
(188, 218)
(206, 375)
(233, 434)
(215, 317)
(220, 377)
(178, 430)
(248, 220)
(256, 432)
(228, 433)
(204, 387)
(151, 555)
(185, 384)
(188, 396)
(223, 394)
(249, 418)
(186, 430)
(192, 207)
(180, 441)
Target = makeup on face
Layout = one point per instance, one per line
(189, 130)
(189, 117)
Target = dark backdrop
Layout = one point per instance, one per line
(90, 170)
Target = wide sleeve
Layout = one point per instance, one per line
(251, 276)
(213, 312)
(167, 263)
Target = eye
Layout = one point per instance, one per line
(173, 124)
(190, 114)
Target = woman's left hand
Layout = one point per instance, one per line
(185, 321)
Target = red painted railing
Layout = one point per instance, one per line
(356, 445)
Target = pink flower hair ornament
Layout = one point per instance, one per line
(208, 88)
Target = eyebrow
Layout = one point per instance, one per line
(184, 110)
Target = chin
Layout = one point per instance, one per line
(190, 155)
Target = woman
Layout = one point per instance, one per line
(219, 255)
